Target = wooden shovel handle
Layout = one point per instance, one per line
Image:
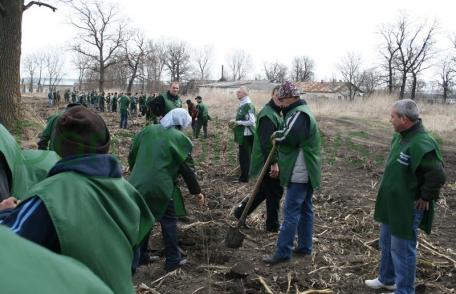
(257, 185)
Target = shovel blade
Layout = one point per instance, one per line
(234, 237)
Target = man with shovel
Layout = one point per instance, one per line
(269, 120)
(299, 162)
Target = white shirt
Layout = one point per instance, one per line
(249, 117)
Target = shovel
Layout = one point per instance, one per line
(234, 236)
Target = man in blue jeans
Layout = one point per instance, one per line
(299, 164)
(410, 185)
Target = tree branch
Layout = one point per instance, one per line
(31, 3)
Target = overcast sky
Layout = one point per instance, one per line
(269, 30)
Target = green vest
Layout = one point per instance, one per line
(170, 104)
(30, 268)
(241, 115)
(155, 158)
(37, 164)
(311, 148)
(399, 186)
(27, 167)
(257, 160)
(203, 113)
(49, 129)
(124, 102)
(99, 221)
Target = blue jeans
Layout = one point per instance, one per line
(298, 216)
(123, 119)
(398, 258)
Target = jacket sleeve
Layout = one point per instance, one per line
(187, 171)
(31, 220)
(134, 150)
(297, 128)
(431, 177)
(249, 120)
(265, 130)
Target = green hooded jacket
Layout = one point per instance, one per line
(27, 167)
(155, 158)
(99, 220)
(29, 268)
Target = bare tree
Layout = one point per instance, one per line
(30, 68)
(350, 70)
(414, 44)
(178, 60)
(203, 58)
(135, 49)
(447, 75)
(369, 81)
(389, 52)
(155, 61)
(302, 69)
(275, 72)
(101, 35)
(11, 13)
(82, 64)
(54, 64)
(39, 58)
(239, 63)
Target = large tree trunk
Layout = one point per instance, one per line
(403, 84)
(413, 91)
(10, 59)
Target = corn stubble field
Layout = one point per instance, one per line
(356, 137)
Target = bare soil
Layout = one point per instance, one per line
(345, 235)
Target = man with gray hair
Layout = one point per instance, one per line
(409, 188)
(243, 127)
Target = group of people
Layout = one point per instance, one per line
(84, 223)
(411, 183)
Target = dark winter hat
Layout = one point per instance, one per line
(80, 131)
(199, 98)
(288, 90)
(73, 104)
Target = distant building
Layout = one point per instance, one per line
(253, 85)
(328, 90)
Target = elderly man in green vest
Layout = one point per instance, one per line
(243, 126)
(405, 202)
(299, 163)
(202, 117)
(85, 209)
(159, 154)
(45, 271)
(269, 120)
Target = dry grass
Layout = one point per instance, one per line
(438, 118)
